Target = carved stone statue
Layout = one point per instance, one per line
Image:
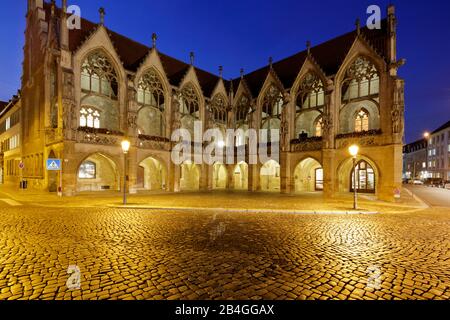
(176, 120)
(68, 85)
(132, 120)
(398, 108)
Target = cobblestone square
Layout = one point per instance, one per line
(151, 254)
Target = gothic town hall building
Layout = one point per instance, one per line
(85, 90)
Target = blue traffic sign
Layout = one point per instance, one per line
(54, 164)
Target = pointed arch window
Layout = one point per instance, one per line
(218, 109)
(190, 102)
(99, 76)
(362, 121)
(242, 110)
(362, 80)
(89, 117)
(150, 90)
(311, 93)
(365, 178)
(88, 170)
(273, 103)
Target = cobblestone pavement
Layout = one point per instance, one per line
(138, 254)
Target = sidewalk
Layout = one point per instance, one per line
(306, 203)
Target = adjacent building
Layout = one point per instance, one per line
(415, 160)
(10, 142)
(439, 153)
(85, 90)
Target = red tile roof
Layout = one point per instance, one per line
(328, 55)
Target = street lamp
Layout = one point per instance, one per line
(125, 149)
(353, 150)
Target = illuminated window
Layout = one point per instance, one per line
(89, 117)
(87, 170)
(362, 121)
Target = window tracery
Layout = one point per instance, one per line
(99, 76)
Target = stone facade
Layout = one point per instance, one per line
(80, 112)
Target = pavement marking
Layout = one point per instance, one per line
(11, 202)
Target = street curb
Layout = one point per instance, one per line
(311, 212)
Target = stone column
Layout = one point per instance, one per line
(230, 176)
(132, 170)
(329, 173)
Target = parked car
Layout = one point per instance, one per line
(434, 182)
(417, 182)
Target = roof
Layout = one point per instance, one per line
(132, 54)
(3, 105)
(328, 55)
(443, 127)
(415, 146)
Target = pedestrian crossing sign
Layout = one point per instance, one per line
(53, 164)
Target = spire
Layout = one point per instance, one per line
(64, 31)
(154, 38)
(192, 57)
(242, 73)
(358, 26)
(102, 13)
(270, 62)
(392, 29)
(308, 46)
(52, 6)
(220, 71)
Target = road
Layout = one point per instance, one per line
(435, 197)
(142, 254)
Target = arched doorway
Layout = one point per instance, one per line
(270, 176)
(98, 173)
(365, 178)
(52, 175)
(152, 175)
(240, 176)
(220, 176)
(308, 176)
(189, 177)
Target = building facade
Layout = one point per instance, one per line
(415, 160)
(10, 143)
(439, 153)
(85, 90)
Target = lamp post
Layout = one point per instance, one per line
(353, 150)
(125, 149)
